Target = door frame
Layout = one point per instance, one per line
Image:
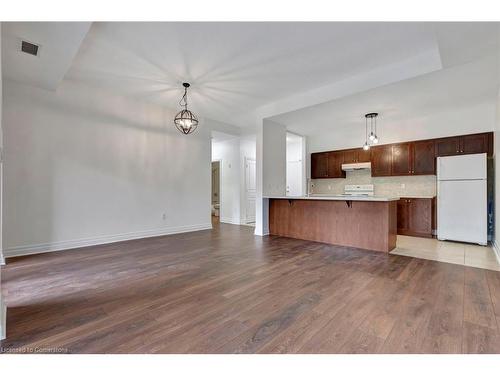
(304, 158)
(220, 186)
(247, 220)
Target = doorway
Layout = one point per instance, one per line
(215, 191)
(250, 190)
(295, 166)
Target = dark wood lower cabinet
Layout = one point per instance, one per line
(416, 216)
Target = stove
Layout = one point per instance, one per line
(359, 190)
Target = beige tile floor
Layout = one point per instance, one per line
(448, 252)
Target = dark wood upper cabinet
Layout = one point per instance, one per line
(364, 156)
(476, 144)
(356, 155)
(319, 165)
(381, 158)
(465, 144)
(447, 146)
(424, 161)
(401, 159)
(351, 156)
(335, 160)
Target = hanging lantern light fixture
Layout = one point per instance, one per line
(372, 138)
(185, 120)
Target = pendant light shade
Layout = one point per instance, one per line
(370, 138)
(185, 121)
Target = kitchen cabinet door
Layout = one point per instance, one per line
(415, 216)
(403, 216)
(475, 144)
(448, 146)
(424, 161)
(351, 156)
(335, 160)
(420, 217)
(381, 158)
(364, 156)
(401, 159)
(319, 165)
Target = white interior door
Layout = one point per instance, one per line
(294, 178)
(250, 189)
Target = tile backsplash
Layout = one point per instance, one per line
(411, 186)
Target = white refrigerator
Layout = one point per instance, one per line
(462, 210)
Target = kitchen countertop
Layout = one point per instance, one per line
(418, 196)
(375, 198)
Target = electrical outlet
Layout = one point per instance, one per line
(403, 186)
(329, 187)
(164, 216)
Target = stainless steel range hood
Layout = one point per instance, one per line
(356, 166)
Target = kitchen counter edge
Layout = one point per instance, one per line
(338, 198)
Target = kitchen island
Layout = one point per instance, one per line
(362, 222)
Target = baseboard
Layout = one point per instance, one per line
(73, 244)
(230, 220)
(496, 250)
(265, 233)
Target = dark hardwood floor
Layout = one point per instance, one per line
(227, 291)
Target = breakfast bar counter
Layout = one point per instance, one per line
(366, 222)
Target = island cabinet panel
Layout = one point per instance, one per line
(424, 160)
(335, 160)
(381, 159)
(360, 224)
(416, 216)
(319, 165)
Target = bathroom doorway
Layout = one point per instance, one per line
(215, 191)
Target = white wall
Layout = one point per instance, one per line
(228, 152)
(3, 311)
(476, 118)
(274, 158)
(84, 166)
(271, 169)
(496, 148)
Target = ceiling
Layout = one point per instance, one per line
(221, 137)
(237, 68)
(455, 87)
(58, 44)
